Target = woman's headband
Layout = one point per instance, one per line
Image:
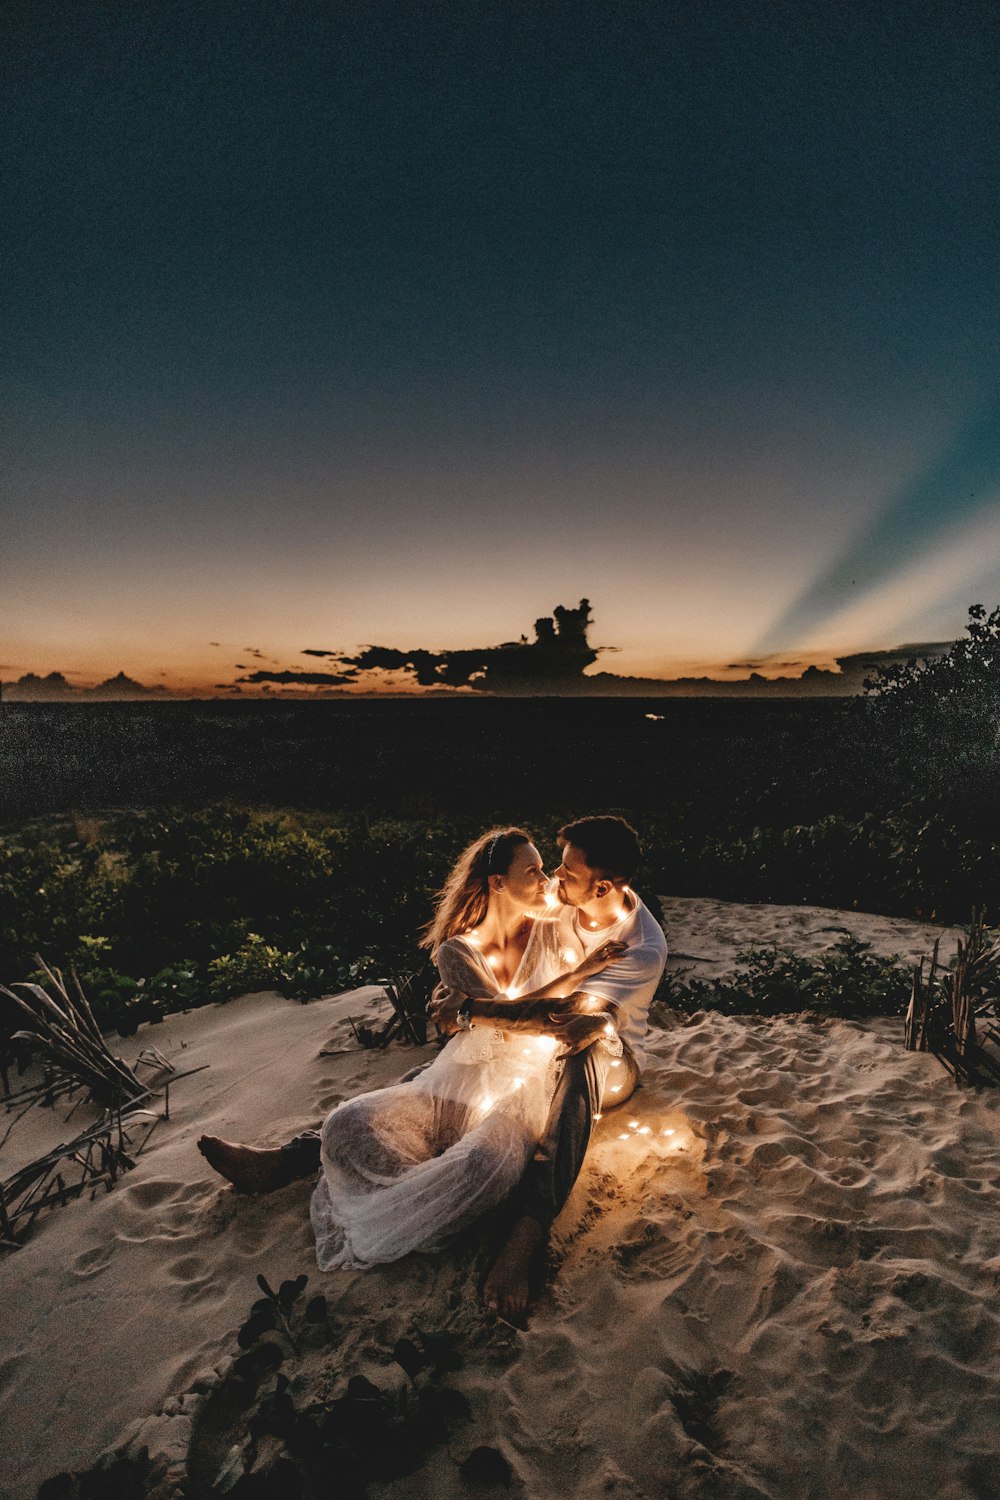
(491, 851)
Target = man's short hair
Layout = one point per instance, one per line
(608, 844)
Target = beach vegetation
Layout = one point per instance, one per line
(289, 1434)
(848, 980)
(888, 803)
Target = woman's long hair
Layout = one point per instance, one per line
(465, 895)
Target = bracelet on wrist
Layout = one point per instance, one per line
(464, 1016)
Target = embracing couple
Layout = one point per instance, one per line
(545, 1001)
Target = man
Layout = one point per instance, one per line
(599, 910)
(599, 856)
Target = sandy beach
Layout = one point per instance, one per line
(778, 1275)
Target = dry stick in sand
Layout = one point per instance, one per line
(943, 1011)
(71, 1041)
(76, 1056)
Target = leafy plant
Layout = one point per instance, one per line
(848, 980)
(366, 1433)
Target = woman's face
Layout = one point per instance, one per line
(525, 881)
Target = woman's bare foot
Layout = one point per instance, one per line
(250, 1169)
(507, 1288)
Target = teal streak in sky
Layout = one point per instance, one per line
(956, 487)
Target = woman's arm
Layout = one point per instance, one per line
(540, 1013)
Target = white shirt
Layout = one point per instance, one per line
(631, 981)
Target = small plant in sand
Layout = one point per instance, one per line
(69, 1044)
(280, 1441)
(955, 1012)
(847, 980)
(66, 1041)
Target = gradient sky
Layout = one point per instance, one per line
(329, 324)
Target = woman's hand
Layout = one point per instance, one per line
(583, 1031)
(603, 954)
(443, 1008)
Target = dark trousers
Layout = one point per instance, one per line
(582, 1090)
(549, 1177)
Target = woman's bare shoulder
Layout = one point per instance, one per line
(460, 965)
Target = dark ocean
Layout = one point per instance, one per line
(510, 756)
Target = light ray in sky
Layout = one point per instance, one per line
(958, 486)
(887, 613)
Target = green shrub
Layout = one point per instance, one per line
(848, 980)
(257, 965)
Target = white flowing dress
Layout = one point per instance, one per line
(405, 1167)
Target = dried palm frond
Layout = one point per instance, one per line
(70, 1046)
(955, 1013)
(94, 1158)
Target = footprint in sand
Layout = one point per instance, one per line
(188, 1268)
(152, 1193)
(650, 1252)
(90, 1262)
(326, 1102)
(9, 1368)
(196, 1277)
(162, 1208)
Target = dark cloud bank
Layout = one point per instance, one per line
(554, 663)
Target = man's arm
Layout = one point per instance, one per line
(534, 1015)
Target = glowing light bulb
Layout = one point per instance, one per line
(617, 1088)
(644, 1130)
(492, 960)
(617, 1063)
(633, 1124)
(568, 955)
(526, 1051)
(609, 1030)
(545, 1044)
(624, 1136)
(670, 1132)
(593, 926)
(598, 1117)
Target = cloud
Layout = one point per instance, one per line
(54, 688)
(764, 661)
(555, 659)
(319, 651)
(300, 678)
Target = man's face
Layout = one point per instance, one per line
(577, 881)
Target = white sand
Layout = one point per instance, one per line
(807, 1273)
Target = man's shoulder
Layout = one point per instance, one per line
(648, 929)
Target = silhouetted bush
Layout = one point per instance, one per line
(848, 980)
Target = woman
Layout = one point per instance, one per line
(405, 1167)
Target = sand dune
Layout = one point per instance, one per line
(794, 1294)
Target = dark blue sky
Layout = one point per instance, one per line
(338, 323)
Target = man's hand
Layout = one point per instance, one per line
(607, 953)
(443, 1008)
(583, 1031)
(582, 1004)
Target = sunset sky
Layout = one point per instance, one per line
(333, 324)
